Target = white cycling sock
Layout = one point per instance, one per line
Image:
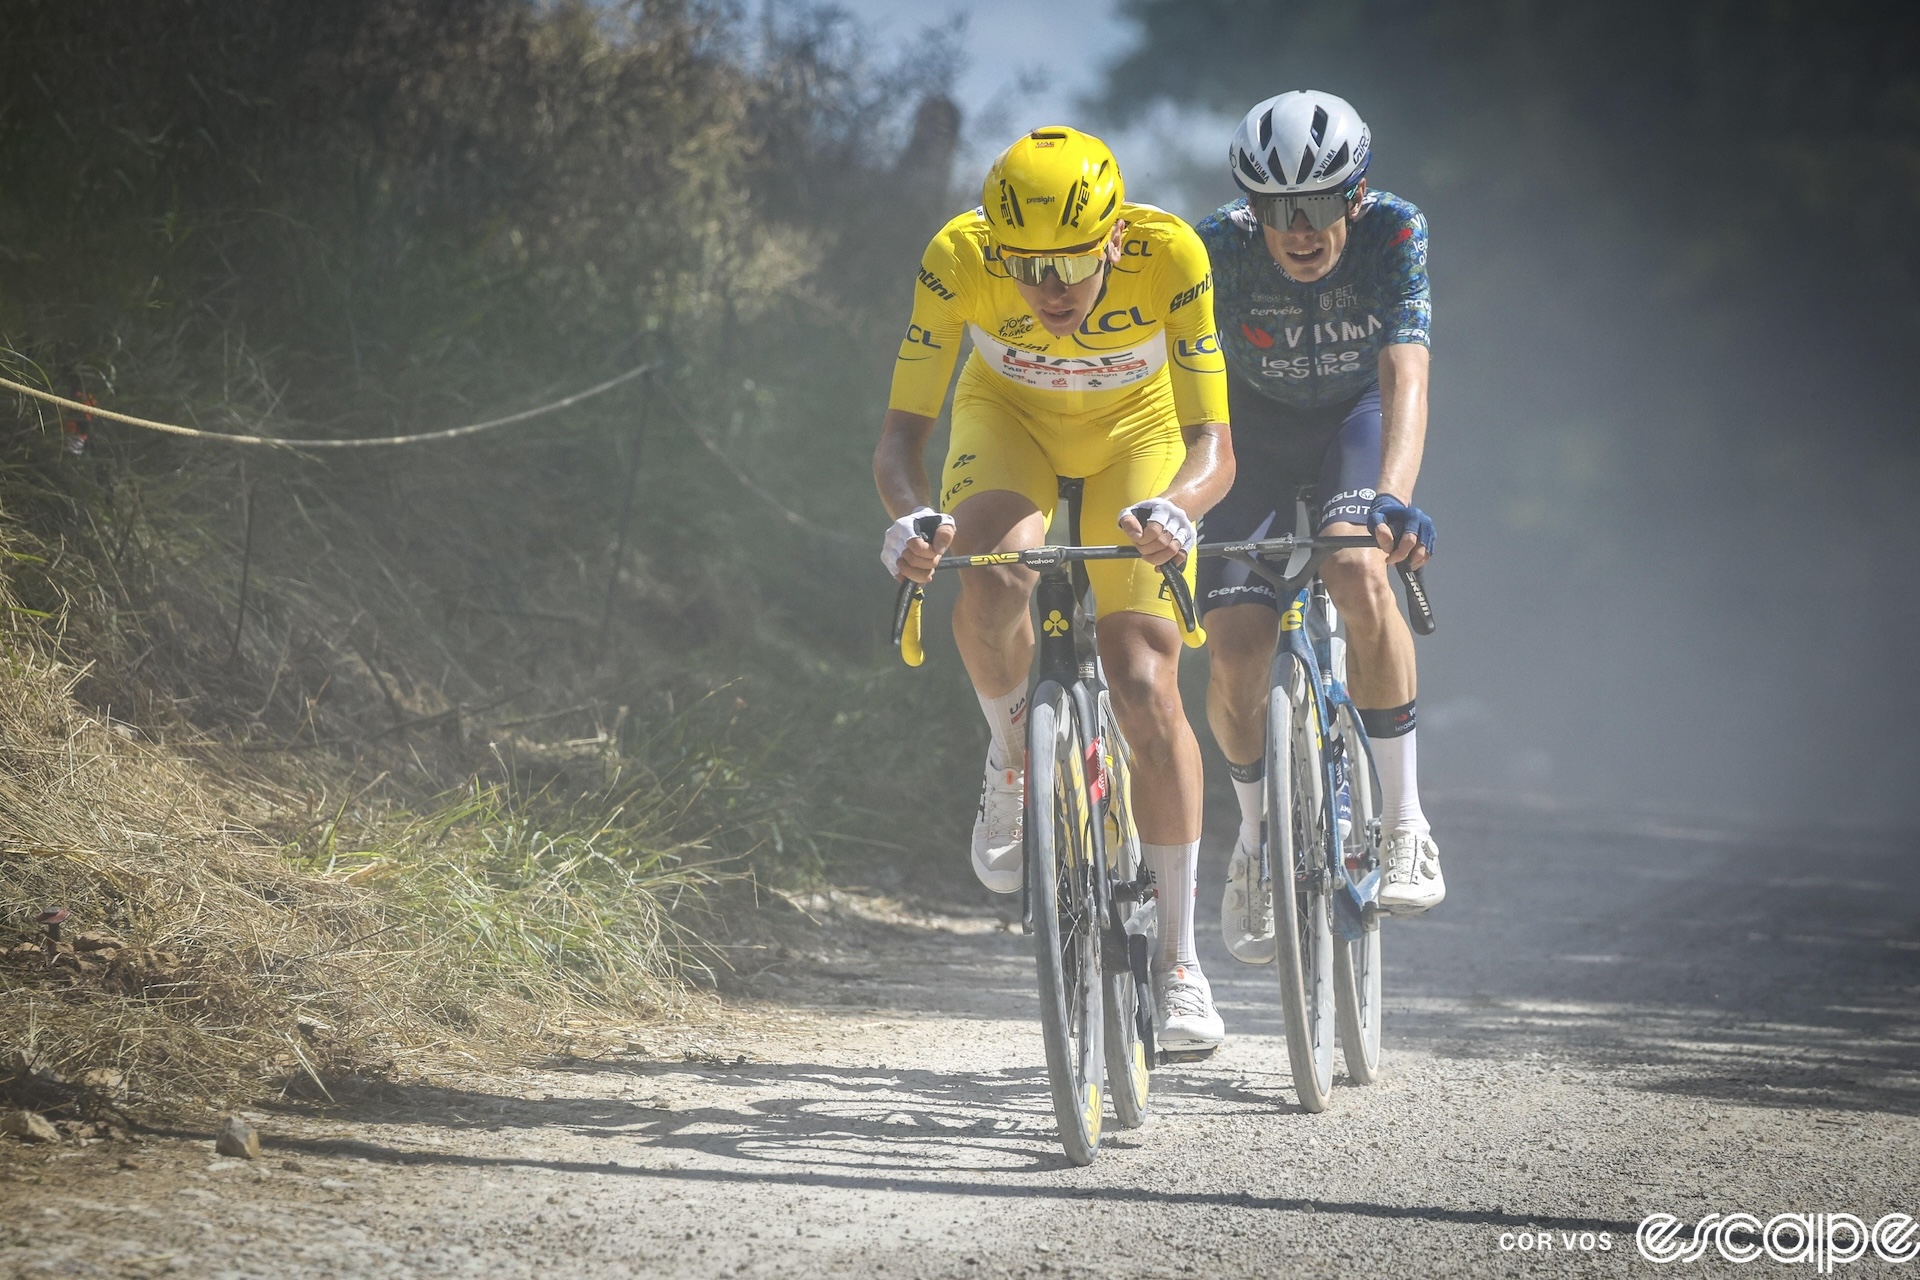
(1007, 721)
(1253, 804)
(1174, 868)
(1397, 759)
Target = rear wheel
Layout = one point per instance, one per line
(1066, 922)
(1127, 999)
(1302, 908)
(1356, 962)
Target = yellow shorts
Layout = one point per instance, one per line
(999, 443)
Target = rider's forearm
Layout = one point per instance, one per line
(900, 464)
(1206, 475)
(1403, 417)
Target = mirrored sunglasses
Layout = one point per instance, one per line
(1071, 268)
(1323, 209)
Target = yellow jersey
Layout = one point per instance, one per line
(1150, 332)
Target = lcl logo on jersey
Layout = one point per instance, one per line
(922, 337)
(1136, 249)
(1113, 322)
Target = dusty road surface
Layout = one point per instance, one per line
(1605, 1020)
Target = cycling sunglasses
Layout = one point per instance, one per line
(1323, 209)
(1071, 268)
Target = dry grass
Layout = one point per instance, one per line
(263, 936)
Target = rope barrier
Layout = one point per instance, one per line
(366, 442)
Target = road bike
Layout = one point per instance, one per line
(1085, 896)
(1320, 843)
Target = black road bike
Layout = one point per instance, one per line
(1084, 895)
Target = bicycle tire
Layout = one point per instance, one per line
(1356, 964)
(1302, 909)
(1127, 1001)
(1066, 923)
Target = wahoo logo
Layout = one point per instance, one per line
(935, 285)
(1185, 296)
(1258, 337)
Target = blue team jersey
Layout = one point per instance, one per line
(1313, 345)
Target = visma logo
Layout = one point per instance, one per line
(1823, 1239)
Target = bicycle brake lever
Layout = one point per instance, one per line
(1187, 616)
(1419, 607)
(906, 623)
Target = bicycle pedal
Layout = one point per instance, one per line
(1169, 1056)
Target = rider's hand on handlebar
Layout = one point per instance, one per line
(1404, 532)
(907, 554)
(1159, 530)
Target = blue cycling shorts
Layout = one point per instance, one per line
(1328, 457)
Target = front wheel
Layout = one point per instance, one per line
(1296, 858)
(1066, 921)
(1129, 1000)
(1356, 961)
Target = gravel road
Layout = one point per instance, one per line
(1607, 1019)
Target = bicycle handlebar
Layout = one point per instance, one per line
(906, 619)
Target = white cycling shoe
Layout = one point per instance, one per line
(1246, 909)
(1185, 1020)
(998, 852)
(1412, 881)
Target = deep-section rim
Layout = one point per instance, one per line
(1357, 968)
(1058, 841)
(1299, 938)
(1128, 1085)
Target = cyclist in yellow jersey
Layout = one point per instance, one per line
(1094, 356)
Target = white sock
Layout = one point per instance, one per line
(1253, 804)
(1397, 759)
(1174, 868)
(1007, 722)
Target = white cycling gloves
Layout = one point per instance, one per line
(901, 532)
(1171, 518)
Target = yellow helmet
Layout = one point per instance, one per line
(1057, 190)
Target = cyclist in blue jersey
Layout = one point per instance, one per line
(1321, 296)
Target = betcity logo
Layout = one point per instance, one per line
(1823, 1239)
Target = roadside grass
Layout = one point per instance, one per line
(230, 933)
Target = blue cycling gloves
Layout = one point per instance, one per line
(1401, 520)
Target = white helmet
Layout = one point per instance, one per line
(1300, 142)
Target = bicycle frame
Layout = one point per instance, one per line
(1307, 636)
